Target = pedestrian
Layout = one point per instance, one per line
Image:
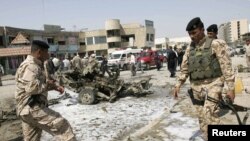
(1, 73)
(212, 31)
(139, 62)
(172, 62)
(50, 68)
(180, 53)
(157, 61)
(56, 63)
(132, 64)
(208, 64)
(66, 63)
(31, 98)
(104, 65)
(247, 46)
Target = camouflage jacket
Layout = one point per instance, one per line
(219, 49)
(30, 80)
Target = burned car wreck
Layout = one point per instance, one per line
(93, 87)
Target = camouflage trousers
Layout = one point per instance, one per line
(39, 118)
(209, 113)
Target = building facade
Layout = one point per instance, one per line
(232, 31)
(12, 54)
(113, 37)
(117, 36)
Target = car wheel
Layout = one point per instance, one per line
(87, 96)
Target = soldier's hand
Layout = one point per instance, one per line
(51, 82)
(176, 91)
(231, 95)
(60, 89)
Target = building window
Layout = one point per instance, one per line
(90, 41)
(159, 46)
(125, 38)
(114, 44)
(50, 41)
(1, 40)
(82, 43)
(151, 37)
(113, 33)
(147, 37)
(100, 40)
(61, 43)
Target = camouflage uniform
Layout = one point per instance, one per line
(31, 81)
(77, 62)
(209, 113)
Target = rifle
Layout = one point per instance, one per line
(227, 103)
(224, 103)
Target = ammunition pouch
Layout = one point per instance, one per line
(36, 100)
(202, 64)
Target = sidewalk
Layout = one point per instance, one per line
(8, 77)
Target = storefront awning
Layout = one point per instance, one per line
(14, 51)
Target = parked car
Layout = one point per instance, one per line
(121, 58)
(147, 59)
(99, 59)
(231, 51)
(240, 50)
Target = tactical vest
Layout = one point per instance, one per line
(202, 64)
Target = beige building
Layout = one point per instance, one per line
(165, 43)
(117, 36)
(232, 31)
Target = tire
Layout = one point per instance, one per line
(87, 96)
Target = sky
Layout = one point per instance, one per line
(170, 17)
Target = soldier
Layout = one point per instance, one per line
(208, 65)
(212, 31)
(77, 62)
(85, 61)
(31, 98)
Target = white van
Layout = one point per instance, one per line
(121, 58)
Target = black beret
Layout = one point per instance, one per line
(194, 23)
(212, 28)
(40, 43)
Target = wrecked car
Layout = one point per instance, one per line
(93, 87)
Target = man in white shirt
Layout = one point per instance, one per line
(132, 64)
(66, 63)
(247, 46)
